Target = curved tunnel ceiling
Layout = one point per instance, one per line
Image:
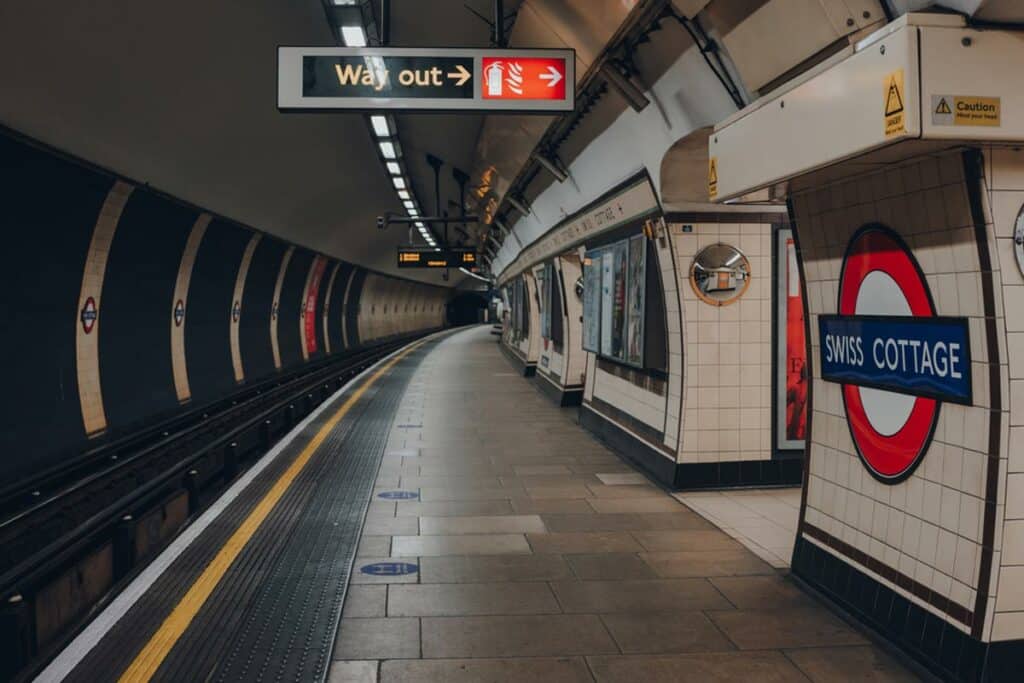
(183, 97)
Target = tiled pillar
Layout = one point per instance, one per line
(920, 557)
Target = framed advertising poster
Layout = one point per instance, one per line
(791, 348)
(636, 279)
(592, 302)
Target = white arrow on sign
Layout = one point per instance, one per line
(552, 77)
(461, 74)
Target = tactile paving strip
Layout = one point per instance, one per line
(274, 614)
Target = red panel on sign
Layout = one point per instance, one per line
(523, 78)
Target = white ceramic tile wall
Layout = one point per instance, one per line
(929, 527)
(660, 412)
(575, 358)
(549, 361)
(726, 350)
(529, 346)
(1004, 170)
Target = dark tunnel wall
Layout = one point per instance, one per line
(254, 321)
(128, 306)
(207, 347)
(337, 307)
(288, 320)
(135, 354)
(41, 285)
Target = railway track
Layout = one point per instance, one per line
(73, 535)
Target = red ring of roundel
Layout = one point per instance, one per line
(889, 458)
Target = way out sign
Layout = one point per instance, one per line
(340, 78)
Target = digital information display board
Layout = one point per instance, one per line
(369, 78)
(429, 257)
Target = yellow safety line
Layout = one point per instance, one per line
(148, 660)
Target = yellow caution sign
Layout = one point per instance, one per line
(966, 110)
(895, 114)
(712, 177)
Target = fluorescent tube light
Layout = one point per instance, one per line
(354, 36)
(380, 126)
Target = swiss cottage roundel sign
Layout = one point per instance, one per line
(897, 361)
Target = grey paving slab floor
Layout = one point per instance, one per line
(518, 548)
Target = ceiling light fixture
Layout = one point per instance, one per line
(380, 126)
(399, 182)
(404, 194)
(472, 274)
(388, 150)
(354, 36)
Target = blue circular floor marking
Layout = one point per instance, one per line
(399, 495)
(390, 568)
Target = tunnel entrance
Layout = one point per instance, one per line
(467, 308)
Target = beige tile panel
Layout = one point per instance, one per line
(345, 305)
(327, 307)
(275, 306)
(238, 301)
(87, 357)
(181, 285)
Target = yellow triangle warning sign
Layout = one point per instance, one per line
(712, 177)
(894, 117)
(894, 99)
(943, 107)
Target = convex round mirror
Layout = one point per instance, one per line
(720, 274)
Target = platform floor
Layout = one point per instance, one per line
(505, 544)
(764, 520)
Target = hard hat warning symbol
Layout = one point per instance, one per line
(895, 121)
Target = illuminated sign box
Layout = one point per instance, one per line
(429, 257)
(370, 78)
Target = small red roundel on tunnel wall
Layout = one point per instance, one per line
(88, 315)
(881, 277)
